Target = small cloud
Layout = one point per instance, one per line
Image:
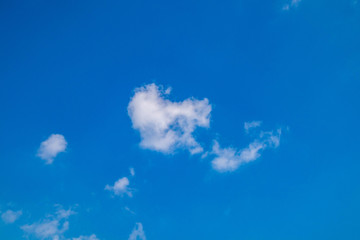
(165, 125)
(129, 210)
(250, 125)
(229, 159)
(52, 227)
(91, 237)
(137, 233)
(286, 7)
(292, 4)
(51, 147)
(132, 171)
(204, 155)
(64, 214)
(120, 187)
(10, 216)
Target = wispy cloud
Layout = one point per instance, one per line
(129, 210)
(137, 233)
(229, 159)
(252, 124)
(91, 237)
(51, 147)
(10, 216)
(120, 187)
(52, 227)
(132, 171)
(165, 125)
(291, 4)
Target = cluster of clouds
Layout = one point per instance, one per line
(54, 226)
(51, 227)
(166, 126)
(56, 144)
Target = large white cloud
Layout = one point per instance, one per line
(229, 159)
(52, 227)
(137, 233)
(10, 216)
(165, 125)
(120, 187)
(51, 147)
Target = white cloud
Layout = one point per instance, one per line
(250, 125)
(120, 187)
(286, 7)
(91, 237)
(129, 210)
(47, 229)
(165, 125)
(51, 147)
(52, 227)
(137, 233)
(292, 4)
(11, 216)
(229, 159)
(64, 214)
(132, 171)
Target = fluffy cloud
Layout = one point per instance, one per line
(137, 233)
(10, 216)
(51, 147)
(120, 187)
(250, 125)
(229, 159)
(292, 4)
(50, 228)
(165, 125)
(91, 237)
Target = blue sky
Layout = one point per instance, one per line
(179, 120)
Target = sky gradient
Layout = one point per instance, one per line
(179, 120)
